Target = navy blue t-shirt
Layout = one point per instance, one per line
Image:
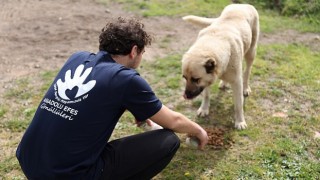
(77, 116)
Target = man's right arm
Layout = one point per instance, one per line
(179, 123)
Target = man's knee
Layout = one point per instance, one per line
(172, 141)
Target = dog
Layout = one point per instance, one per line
(218, 53)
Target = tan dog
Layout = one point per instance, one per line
(218, 52)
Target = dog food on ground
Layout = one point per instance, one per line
(218, 138)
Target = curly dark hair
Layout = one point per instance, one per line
(120, 35)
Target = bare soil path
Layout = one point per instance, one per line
(38, 35)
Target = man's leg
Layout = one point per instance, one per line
(140, 156)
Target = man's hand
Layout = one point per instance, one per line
(202, 138)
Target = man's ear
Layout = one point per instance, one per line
(209, 66)
(134, 51)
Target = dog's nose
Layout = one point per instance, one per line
(184, 96)
(188, 95)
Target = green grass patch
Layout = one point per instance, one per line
(21, 91)
(17, 125)
(292, 63)
(167, 68)
(301, 70)
(271, 21)
(47, 79)
(7, 165)
(173, 7)
(125, 126)
(287, 158)
(23, 99)
(3, 111)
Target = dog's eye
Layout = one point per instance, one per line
(184, 77)
(195, 80)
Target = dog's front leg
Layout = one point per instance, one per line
(204, 108)
(237, 88)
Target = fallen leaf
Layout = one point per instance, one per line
(280, 114)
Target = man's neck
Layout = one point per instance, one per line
(120, 59)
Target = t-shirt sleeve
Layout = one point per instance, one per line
(140, 100)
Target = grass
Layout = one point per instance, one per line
(282, 112)
(172, 7)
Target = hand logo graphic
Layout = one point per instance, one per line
(77, 80)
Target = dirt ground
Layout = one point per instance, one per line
(38, 35)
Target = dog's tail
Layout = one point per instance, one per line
(200, 21)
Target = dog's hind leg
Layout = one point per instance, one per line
(205, 104)
(250, 56)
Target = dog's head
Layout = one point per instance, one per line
(199, 71)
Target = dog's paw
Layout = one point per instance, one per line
(241, 125)
(246, 91)
(202, 112)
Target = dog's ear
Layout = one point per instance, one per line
(210, 65)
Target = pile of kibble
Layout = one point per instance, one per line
(218, 138)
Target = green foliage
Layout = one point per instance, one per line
(301, 8)
(310, 10)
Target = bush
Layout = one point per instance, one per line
(301, 8)
(296, 8)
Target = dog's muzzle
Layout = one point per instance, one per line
(192, 94)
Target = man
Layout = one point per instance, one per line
(68, 136)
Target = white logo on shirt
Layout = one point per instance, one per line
(75, 81)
